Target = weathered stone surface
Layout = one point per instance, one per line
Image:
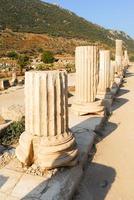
(88, 108)
(30, 187)
(8, 180)
(86, 60)
(61, 186)
(104, 74)
(112, 72)
(126, 59)
(119, 55)
(13, 112)
(47, 140)
(2, 121)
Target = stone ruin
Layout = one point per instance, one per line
(87, 77)
(47, 140)
(104, 74)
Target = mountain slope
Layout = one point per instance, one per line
(36, 16)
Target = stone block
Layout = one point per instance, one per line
(4, 84)
(8, 180)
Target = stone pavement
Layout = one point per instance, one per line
(15, 184)
(111, 175)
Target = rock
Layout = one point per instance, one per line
(14, 112)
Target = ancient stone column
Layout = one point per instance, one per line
(47, 140)
(104, 73)
(126, 59)
(119, 54)
(86, 62)
(115, 81)
(112, 72)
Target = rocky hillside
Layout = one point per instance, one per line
(35, 16)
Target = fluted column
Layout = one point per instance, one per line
(104, 72)
(86, 62)
(126, 59)
(119, 51)
(119, 55)
(112, 72)
(46, 107)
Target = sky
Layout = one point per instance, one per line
(113, 14)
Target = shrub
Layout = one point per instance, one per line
(70, 68)
(23, 60)
(43, 67)
(12, 54)
(12, 133)
(132, 58)
(40, 50)
(47, 57)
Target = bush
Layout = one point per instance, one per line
(23, 60)
(132, 58)
(12, 134)
(12, 54)
(47, 57)
(70, 68)
(43, 67)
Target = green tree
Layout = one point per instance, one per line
(47, 57)
(23, 61)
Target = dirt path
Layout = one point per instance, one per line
(111, 174)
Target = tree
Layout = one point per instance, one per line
(23, 60)
(47, 57)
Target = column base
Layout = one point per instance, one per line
(47, 153)
(88, 108)
(114, 89)
(104, 95)
(118, 80)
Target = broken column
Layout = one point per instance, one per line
(86, 62)
(47, 140)
(104, 74)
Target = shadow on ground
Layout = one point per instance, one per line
(96, 183)
(122, 92)
(108, 129)
(118, 102)
(128, 74)
(3, 180)
(87, 124)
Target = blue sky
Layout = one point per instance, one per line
(115, 14)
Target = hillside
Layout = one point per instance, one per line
(35, 16)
